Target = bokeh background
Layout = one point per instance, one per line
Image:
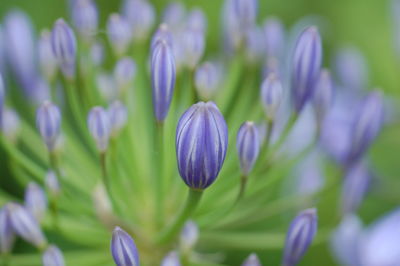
(366, 24)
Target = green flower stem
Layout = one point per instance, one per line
(106, 181)
(243, 183)
(192, 202)
(286, 131)
(159, 178)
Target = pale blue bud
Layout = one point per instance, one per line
(99, 127)
(35, 201)
(48, 121)
(53, 257)
(119, 33)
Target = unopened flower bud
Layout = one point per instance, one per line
(274, 37)
(7, 235)
(53, 257)
(207, 79)
(119, 34)
(35, 201)
(52, 183)
(47, 59)
(162, 34)
(141, 15)
(189, 235)
(171, 259)
(174, 15)
(248, 146)
(118, 115)
(99, 127)
(85, 18)
(196, 20)
(11, 124)
(124, 73)
(323, 95)
(252, 260)
(271, 95)
(193, 42)
(123, 248)
(48, 121)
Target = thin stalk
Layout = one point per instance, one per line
(106, 181)
(243, 183)
(159, 179)
(53, 200)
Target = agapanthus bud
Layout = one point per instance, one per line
(162, 34)
(171, 259)
(25, 225)
(35, 200)
(248, 146)
(99, 127)
(123, 248)
(11, 124)
(252, 260)
(48, 121)
(271, 95)
(97, 53)
(163, 79)
(124, 72)
(306, 66)
(174, 15)
(52, 184)
(323, 95)
(274, 37)
(201, 144)
(196, 20)
(85, 17)
(7, 236)
(63, 43)
(189, 235)
(106, 86)
(53, 257)
(246, 12)
(367, 122)
(141, 15)
(40, 90)
(254, 42)
(299, 237)
(2, 51)
(47, 60)
(118, 116)
(2, 96)
(119, 33)
(193, 42)
(207, 79)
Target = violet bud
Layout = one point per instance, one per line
(248, 146)
(197, 20)
(85, 18)
(48, 121)
(193, 42)
(255, 47)
(63, 43)
(52, 184)
(174, 15)
(11, 124)
(40, 90)
(106, 86)
(162, 34)
(207, 79)
(47, 59)
(97, 53)
(99, 127)
(53, 257)
(189, 235)
(2, 51)
(141, 15)
(232, 35)
(25, 225)
(201, 144)
(119, 33)
(271, 95)
(35, 201)
(124, 73)
(252, 260)
(7, 236)
(2, 96)
(123, 248)
(171, 259)
(323, 95)
(246, 12)
(274, 37)
(272, 65)
(306, 66)
(118, 116)
(299, 236)
(163, 79)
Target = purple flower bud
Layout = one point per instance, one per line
(171, 259)
(246, 12)
(207, 79)
(85, 17)
(252, 260)
(271, 95)
(201, 144)
(119, 33)
(174, 15)
(162, 34)
(123, 248)
(367, 122)
(7, 236)
(2, 51)
(99, 127)
(193, 42)
(48, 121)
(47, 60)
(41, 90)
(248, 146)
(306, 65)
(11, 124)
(25, 225)
(232, 34)
(118, 116)
(35, 201)
(255, 47)
(2, 96)
(274, 37)
(53, 257)
(196, 20)
(272, 65)
(97, 53)
(63, 43)
(299, 237)
(124, 73)
(163, 79)
(141, 15)
(323, 95)
(189, 235)
(52, 183)
(106, 86)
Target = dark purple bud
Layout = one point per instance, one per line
(35, 201)
(174, 15)
(123, 248)
(274, 37)
(99, 127)
(323, 95)
(47, 60)
(367, 123)
(196, 20)
(162, 34)
(248, 146)
(189, 235)
(11, 124)
(252, 260)
(119, 33)
(193, 42)
(118, 115)
(271, 95)
(201, 144)
(48, 121)
(63, 43)
(171, 259)
(52, 183)
(163, 79)
(306, 66)
(299, 237)
(7, 236)
(207, 78)
(53, 257)
(85, 18)
(141, 15)
(124, 72)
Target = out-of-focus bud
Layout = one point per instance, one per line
(35, 201)
(201, 144)
(11, 124)
(189, 235)
(25, 225)
(53, 257)
(63, 43)
(123, 248)
(309, 175)
(85, 18)
(97, 53)
(124, 73)
(274, 37)
(252, 260)
(41, 90)
(48, 121)
(106, 86)
(262, 132)
(141, 15)
(163, 79)
(246, 12)
(323, 95)
(118, 115)
(367, 122)
(47, 60)
(171, 259)
(196, 20)
(7, 236)
(52, 184)
(2, 96)
(174, 15)
(299, 237)
(162, 34)
(2, 51)
(272, 65)
(207, 79)
(193, 42)
(248, 146)
(232, 35)
(271, 95)
(255, 48)
(102, 204)
(99, 127)
(306, 66)
(119, 33)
